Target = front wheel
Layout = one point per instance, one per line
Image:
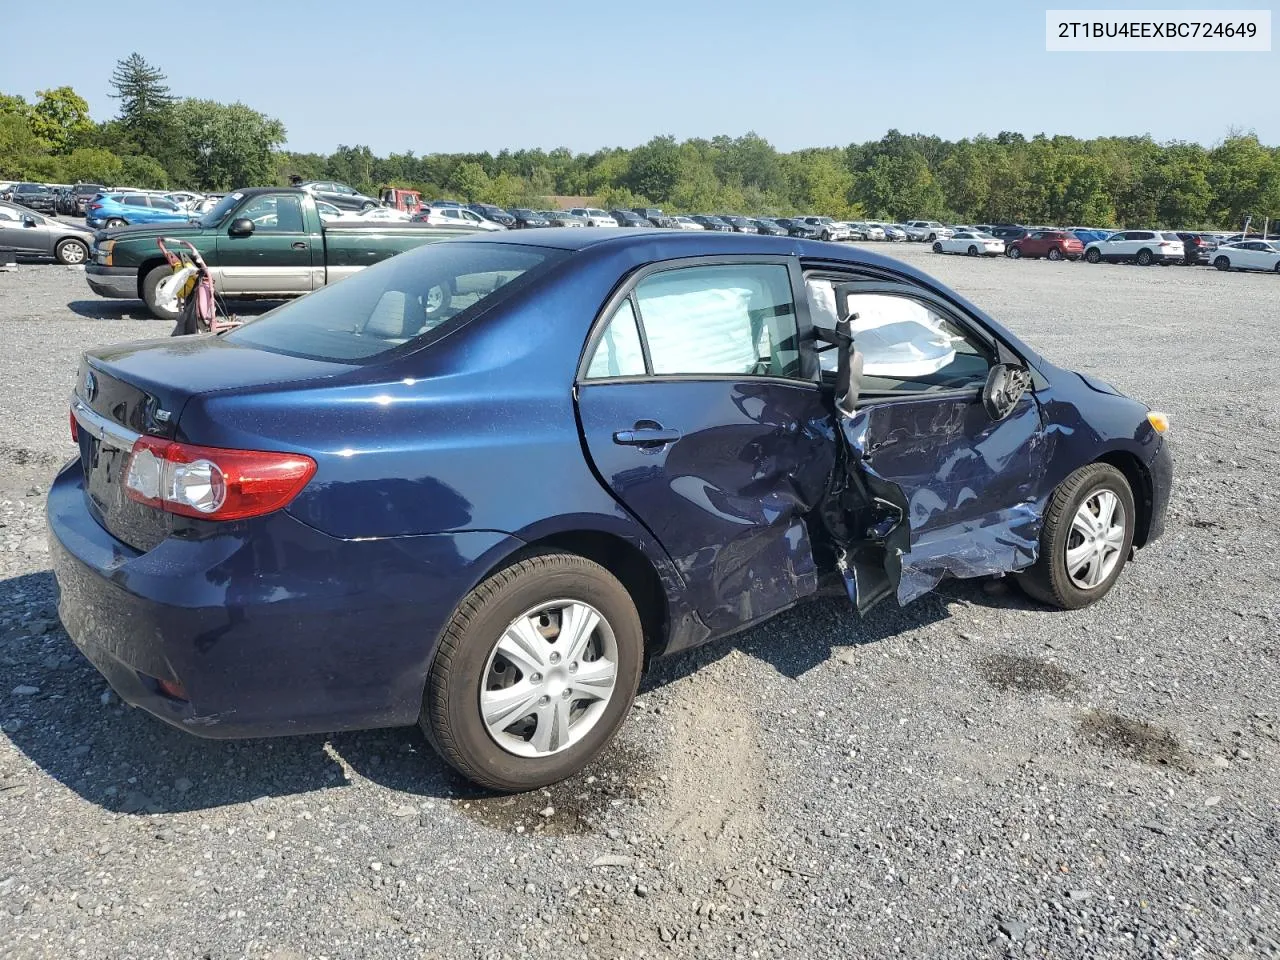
(71, 252)
(937, 248)
(1222, 263)
(150, 285)
(535, 673)
(1093, 256)
(1085, 539)
(826, 235)
(367, 206)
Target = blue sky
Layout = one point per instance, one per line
(463, 76)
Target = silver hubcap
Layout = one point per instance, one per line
(1096, 539)
(73, 253)
(549, 678)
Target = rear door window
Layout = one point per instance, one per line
(403, 301)
(134, 200)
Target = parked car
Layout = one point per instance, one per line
(290, 489)
(1008, 233)
(328, 211)
(629, 218)
(122, 209)
(1248, 255)
(527, 219)
(259, 243)
(656, 217)
(562, 218)
(1198, 247)
(492, 212)
(1143, 247)
(970, 242)
(895, 232)
(392, 214)
(82, 194)
(455, 217)
(33, 235)
(708, 222)
(1052, 244)
(740, 224)
(33, 196)
(185, 199)
(63, 202)
(865, 230)
(339, 194)
(1087, 237)
(827, 228)
(769, 227)
(687, 223)
(928, 230)
(798, 228)
(594, 217)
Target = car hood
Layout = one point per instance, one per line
(144, 231)
(1098, 386)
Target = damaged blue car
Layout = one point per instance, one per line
(480, 486)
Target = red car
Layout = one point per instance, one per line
(1054, 244)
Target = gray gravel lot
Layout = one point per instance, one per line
(971, 776)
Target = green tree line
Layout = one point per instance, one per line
(159, 140)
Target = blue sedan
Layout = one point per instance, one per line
(119, 209)
(479, 486)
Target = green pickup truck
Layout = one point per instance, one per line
(259, 243)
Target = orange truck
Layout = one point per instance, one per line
(410, 201)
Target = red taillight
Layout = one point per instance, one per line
(95, 206)
(75, 428)
(213, 483)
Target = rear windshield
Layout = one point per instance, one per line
(399, 301)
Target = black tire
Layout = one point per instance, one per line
(1047, 580)
(149, 284)
(1013, 253)
(1092, 255)
(826, 235)
(1223, 264)
(1144, 257)
(937, 248)
(1278, 266)
(972, 251)
(71, 251)
(367, 206)
(451, 716)
(116, 222)
(1054, 254)
(932, 237)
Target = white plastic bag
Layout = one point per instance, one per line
(169, 288)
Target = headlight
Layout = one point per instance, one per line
(104, 251)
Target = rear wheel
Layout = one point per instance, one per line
(535, 673)
(71, 252)
(1222, 263)
(1055, 254)
(116, 222)
(932, 237)
(937, 248)
(1144, 258)
(1085, 540)
(972, 251)
(150, 283)
(1092, 255)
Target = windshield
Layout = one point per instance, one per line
(220, 210)
(399, 301)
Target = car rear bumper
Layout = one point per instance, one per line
(270, 628)
(120, 283)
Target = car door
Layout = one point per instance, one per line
(1254, 255)
(701, 412)
(277, 257)
(936, 486)
(1033, 245)
(23, 231)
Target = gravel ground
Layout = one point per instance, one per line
(971, 776)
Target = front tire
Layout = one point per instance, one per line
(1223, 264)
(1013, 253)
(1085, 539)
(1093, 256)
(512, 702)
(972, 251)
(150, 283)
(71, 252)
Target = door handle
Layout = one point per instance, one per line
(646, 437)
(299, 245)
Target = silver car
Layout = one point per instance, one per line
(32, 234)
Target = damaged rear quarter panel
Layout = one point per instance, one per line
(971, 488)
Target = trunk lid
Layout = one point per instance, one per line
(135, 389)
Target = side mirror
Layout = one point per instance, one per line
(241, 227)
(1005, 386)
(29, 222)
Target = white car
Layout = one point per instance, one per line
(866, 230)
(971, 242)
(1143, 247)
(926, 230)
(827, 228)
(328, 211)
(1248, 255)
(455, 217)
(686, 223)
(382, 213)
(594, 216)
